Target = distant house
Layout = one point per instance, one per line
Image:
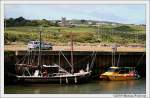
(63, 21)
(113, 24)
(101, 23)
(90, 23)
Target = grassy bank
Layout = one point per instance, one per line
(82, 34)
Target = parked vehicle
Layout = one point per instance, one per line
(36, 45)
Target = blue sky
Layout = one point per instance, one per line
(132, 14)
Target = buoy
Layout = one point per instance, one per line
(66, 80)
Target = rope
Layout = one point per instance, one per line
(27, 70)
(21, 59)
(82, 60)
(32, 57)
(65, 58)
(94, 57)
(140, 59)
(118, 60)
(62, 69)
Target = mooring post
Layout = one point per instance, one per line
(16, 53)
(66, 80)
(75, 79)
(60, 80)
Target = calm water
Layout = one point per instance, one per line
(93, 87)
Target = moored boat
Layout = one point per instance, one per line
(52, 73)
(120, 73)
(29, 72)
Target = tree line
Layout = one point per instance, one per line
(21, 21)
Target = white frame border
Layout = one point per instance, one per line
(72, 2)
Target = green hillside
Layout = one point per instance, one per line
(121, 34)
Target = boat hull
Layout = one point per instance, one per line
(118, 77)
(60, 80)
(120, 73)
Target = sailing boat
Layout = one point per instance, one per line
(52, 73)
(119, 73)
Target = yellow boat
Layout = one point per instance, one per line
(120, 73)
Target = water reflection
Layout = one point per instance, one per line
(93, 87)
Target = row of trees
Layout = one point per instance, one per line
(20, 21)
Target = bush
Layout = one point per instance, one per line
(124, 28)
(10, 37)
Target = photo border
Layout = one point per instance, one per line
(146, 3)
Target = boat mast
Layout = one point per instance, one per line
(39, 57)
(114, 49)
(72, 69)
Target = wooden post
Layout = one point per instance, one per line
(66, 80)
